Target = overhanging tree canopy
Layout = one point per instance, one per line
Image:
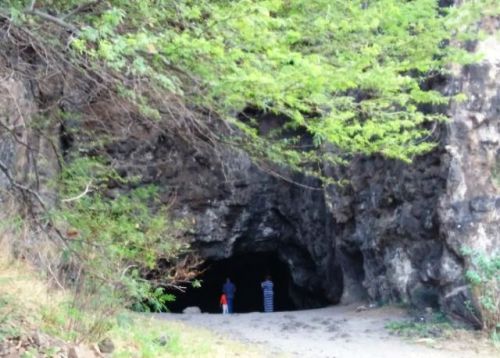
(348, 73)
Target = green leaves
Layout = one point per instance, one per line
(297, 57)
(348, 73)
(483, 274)
(115, 237)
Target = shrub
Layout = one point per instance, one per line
(483, 274)
(110, 243)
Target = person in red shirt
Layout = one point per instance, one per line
(223, 302)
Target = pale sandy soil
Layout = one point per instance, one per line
(333, 332)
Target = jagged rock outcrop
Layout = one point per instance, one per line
(409, 224)
(388, 230)
(469, 210)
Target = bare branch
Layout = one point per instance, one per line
(81, 195)
(81, 7)
(265, 168)
(14, 136)
(51, 272)
(126, 269)
(53, 19)
(20, 187)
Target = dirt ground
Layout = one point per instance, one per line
(333, 332)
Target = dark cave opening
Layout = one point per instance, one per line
(246, 271)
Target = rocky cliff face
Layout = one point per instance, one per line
(409, 224)
(469, 209)
(394, 233)
(388, 229)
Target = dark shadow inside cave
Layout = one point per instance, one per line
(354, 275)
(246, 271)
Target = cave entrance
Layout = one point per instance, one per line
(246, 271)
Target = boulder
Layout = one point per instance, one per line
(192, 310)
(106, 346)
(80, 352)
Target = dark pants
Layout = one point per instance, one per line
(230, 301)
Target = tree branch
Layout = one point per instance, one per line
(80, 8)
(53, 19)
(20, 187)
(79, 195)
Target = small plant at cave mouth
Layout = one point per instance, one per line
(483, 274)
(434, 327)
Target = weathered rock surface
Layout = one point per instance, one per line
(469, 209)
(387, 229)
(191, 310)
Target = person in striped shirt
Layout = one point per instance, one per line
(267, 291)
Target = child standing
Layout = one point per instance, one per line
(223, 302)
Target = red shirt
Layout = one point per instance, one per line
(223, 299)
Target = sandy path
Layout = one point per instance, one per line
(332, 332)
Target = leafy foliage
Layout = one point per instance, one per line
(124, 226)
(484, 276)
(352, 74)
(111, 242)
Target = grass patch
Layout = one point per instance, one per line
(434, 327)
(23, 295)
(440, 333)
(137, 335)
(27, 305)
